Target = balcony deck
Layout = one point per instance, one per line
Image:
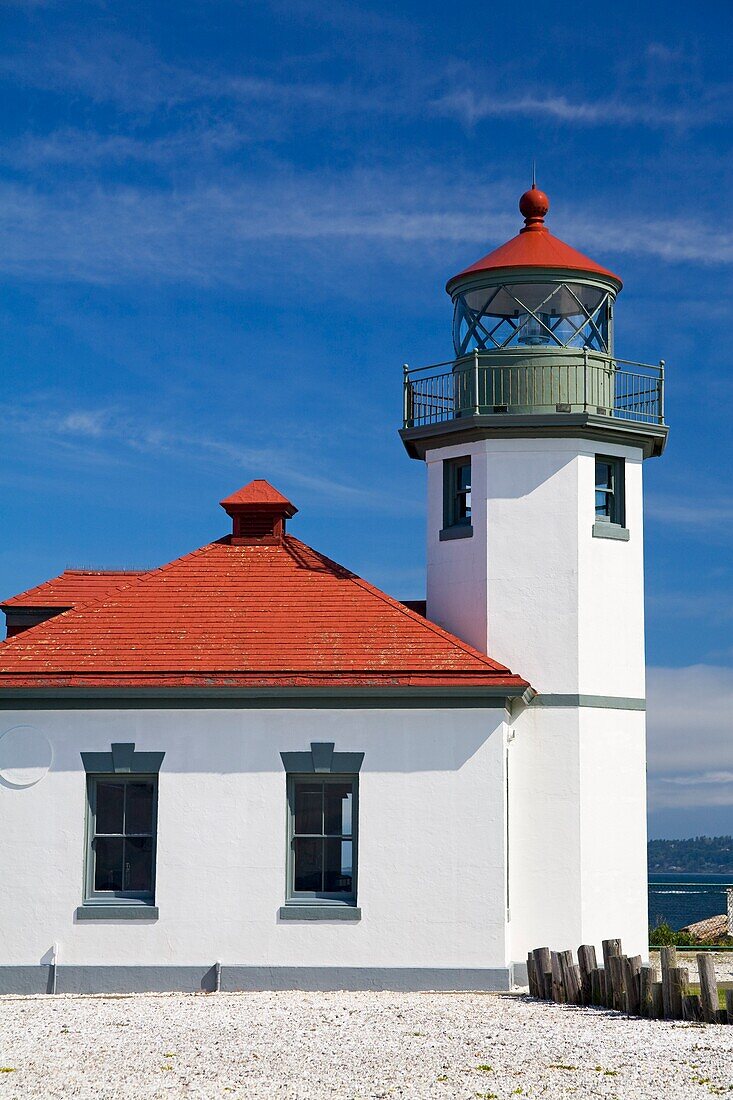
(556, 389)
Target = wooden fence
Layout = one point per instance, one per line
(622, 983)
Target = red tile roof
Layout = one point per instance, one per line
(72, 587)
(260, 616)
(535, 247)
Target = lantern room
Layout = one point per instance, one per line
(533, 292)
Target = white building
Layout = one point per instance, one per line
(251, 767)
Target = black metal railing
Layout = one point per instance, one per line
(524, 382)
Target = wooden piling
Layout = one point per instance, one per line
(657, 1001)
(587, 963)
(531, 976)
(691, 1007)
(631, 978)
(542, 967)
(570, 978)
(647, 980)
(668, 960)
(603, 977)
(708, 987)
(616, 998)
(558, 989)
(610, 948)
(596, 990)
(679, 987)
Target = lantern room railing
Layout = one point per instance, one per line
(521, 382)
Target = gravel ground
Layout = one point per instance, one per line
(308, 1046)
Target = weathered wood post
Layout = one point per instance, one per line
(657, 1001)
(617, 982)
(558, 989)
(708, 987)
(542, 967)
(596, 988)
(570, 978)
(631, 976)
(679, 988)
(610, 948)
(691, 1008)
(531, 976)
(647, 980)
(587, 963)
(668, 960)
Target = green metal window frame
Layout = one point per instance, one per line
(455, 507)
(295, 898)
(117, 898)
(614, 494)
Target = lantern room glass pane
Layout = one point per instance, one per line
(532, 314)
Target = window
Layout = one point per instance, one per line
(322, 840)
(610, 490)
(121, 838)
(457, 493)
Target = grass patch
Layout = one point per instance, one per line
(485, 1069)
(560, 1065)
(7, 1069)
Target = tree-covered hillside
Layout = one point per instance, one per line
(700, 854)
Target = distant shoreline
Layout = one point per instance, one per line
(697, 855)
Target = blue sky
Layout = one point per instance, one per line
(225, 226)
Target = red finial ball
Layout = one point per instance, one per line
(533, 206)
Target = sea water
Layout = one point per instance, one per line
(681, 899)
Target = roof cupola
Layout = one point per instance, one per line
(258, 513)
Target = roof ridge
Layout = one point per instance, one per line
(421, 620)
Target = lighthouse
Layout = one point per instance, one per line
(534, 435)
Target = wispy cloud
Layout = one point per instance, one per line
(690, 736)
(472, 107)
(694, 512)
(121, 431)
(235, 229)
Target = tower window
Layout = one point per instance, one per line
(610, 490)
(457, 493)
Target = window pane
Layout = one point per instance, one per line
(139, 809)
(108, 863)
(604, 475)
(464, 477)
(309, 808)
(308, 864)
(338, 878)
(110, 803)
(139, 864)
(603, 503)
(338, 809)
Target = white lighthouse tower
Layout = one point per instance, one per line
(534, 435)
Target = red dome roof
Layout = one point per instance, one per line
(535, 246)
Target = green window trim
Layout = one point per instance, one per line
(306, 903)
(610, 492)
(456, 496)
(118, 898)
(107, 911)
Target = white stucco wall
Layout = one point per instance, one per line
(577, 829)
(532, 587)
(431, 878)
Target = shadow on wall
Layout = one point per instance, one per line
(250, 740)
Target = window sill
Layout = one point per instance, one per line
(319, 912)
(117, 912)
(460, 531)
(611, 531)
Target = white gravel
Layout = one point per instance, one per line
(305, 1046)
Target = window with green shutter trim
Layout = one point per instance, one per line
(610, 505)
(322, 841)
(121, 835)
(457, 492)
